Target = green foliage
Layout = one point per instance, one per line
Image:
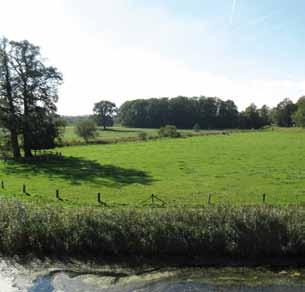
(5, 144)
(28, 93)
(217, 232)
(86, 129)
(104, 112)
(254, 118)
(196, 127)
(283, 113)
(265, 116)
(208, 112)
(46, 130)
(299, 115)
(143, 136)
(169, 131)
(74, 120)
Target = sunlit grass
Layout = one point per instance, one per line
(237, 168)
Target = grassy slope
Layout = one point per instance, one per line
(237, 168)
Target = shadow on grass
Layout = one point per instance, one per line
(78, 170)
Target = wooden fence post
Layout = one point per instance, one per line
(99, 198)
(57, 195)
(24, 188)
(264, 198)
(2, 184)
(210, 199)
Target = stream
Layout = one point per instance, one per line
(79, 277)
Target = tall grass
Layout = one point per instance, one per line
(211, 232)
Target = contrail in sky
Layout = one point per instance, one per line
(263, 18)
(233, 11)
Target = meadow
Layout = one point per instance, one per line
(109, 134)
(237, 168)
(122, 134)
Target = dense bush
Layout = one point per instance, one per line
(86, 129)
(211, 232)
(196, 127)
(143, 136)
(169, 131)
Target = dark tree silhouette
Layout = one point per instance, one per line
(104, 112)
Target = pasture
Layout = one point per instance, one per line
(110, 133)
(236, 168)
(121, 134)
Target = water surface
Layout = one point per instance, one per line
(82, 278)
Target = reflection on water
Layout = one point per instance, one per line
(42, 284)
(176, 280)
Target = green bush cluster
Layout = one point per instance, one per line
(196, 128)
(223, 231)
(169, 131)
(143, 136)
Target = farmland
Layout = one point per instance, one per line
(237, 168)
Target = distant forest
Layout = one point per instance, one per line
(72, 120)
(204, 113)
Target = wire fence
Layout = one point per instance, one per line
(151, 200)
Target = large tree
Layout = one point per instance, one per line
(28, 94)
(46, 128)
(250, 118)
(9, 105)
(86, 129)
(299, 115)
(37, 85)
(265, 115)
(104, 112)
(283, 112)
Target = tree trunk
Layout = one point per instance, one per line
(11, 108)
(26, 130)
(26, 136)
(26, 146)
(15, 144)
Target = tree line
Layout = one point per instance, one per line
(29, 119)
(208, 113)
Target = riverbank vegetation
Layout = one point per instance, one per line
(211, 232)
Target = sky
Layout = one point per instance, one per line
(118, 50)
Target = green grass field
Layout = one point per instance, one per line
(236, 168)
(118, 133)
(109, 134)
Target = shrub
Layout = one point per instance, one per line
(5, 145)
(196, 127)
(142, 136)
(86, 129)
(210, 232)
(169, 131)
